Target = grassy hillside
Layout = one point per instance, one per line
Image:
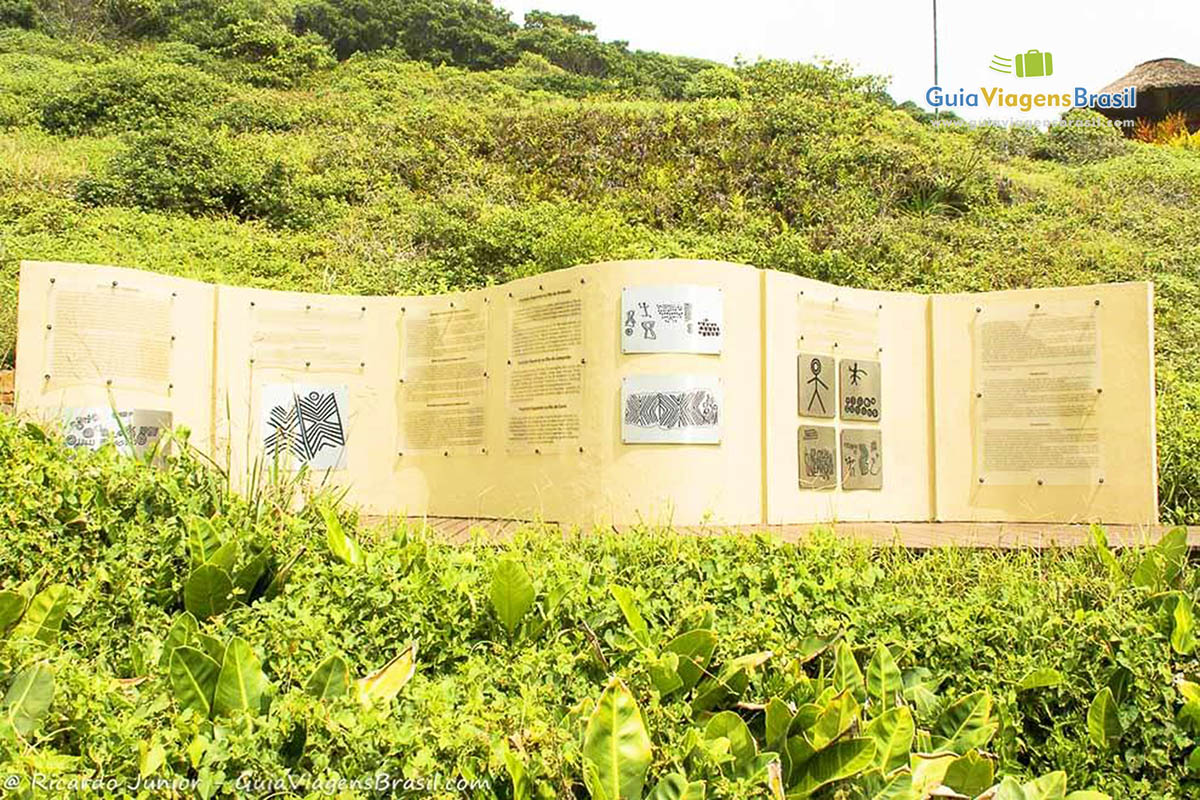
(382, 174)
(1082, 662)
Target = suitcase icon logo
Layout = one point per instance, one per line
(1030, 64)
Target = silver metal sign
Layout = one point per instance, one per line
(862, 459)
(859, 384)
(817, 385)
(818, 457)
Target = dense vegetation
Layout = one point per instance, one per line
(153, 625)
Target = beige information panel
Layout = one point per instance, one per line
(663, 392)
(326, 406)
(1045, 405)
(130, 343)
(832, 355)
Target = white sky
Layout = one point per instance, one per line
(1092, 42)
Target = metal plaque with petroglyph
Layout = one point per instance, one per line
(672, 319)
(134, 431)
(818, 457)
(671, 409)
(817, 387)
(305, 424)
(859, 389)
(862, 458)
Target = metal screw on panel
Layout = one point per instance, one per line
(1102, 480)
(108, 382)
(1097, 302)
(46, 377)
(1037, 305)
(978, 309)
(537, 451)
(307, 364)
(114, 284)
(49, 327)
(981, 480)
(1040, 481)
(52, 280)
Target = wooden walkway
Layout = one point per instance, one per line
(918, 535)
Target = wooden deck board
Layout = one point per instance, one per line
(917, 535)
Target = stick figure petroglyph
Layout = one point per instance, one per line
(814, 366)
(630, 323)
(856, 372)
(648, 329)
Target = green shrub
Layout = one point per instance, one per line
(465, 33)
(1083, 137)
(268, 55)
(714, 82)
(131, 95)
(18, 14)
(195, 171)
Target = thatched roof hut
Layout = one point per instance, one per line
(1164, 86)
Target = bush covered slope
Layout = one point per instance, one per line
(1083, 662)
(255, 157)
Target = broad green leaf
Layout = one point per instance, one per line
(1040, 679)
(971, 774)
(384, 684)
(211, 646)
(1100, 542)
(182, 631)
(695, 649)
(676, 787)
(892, 731)
(900, 787)
(965, 724)
(1051, 786)
(883, 679)
(846, 674)
(591, 780)
(633, 617)
(1120, 681)
(616, 744)
(1009, 789)
(28, 698)
(331, 678)
(276, 583)
(151, 757)
(1183, 637)
(12, 605)
(225, 556)
(343, 546)
(778, 720)
(929, 770)
(796, 753)
(834, 720)
(728, 725)
(1193, 763)
(208, 591)
(512, 594)
(1172, 548)
(1104, 726)
(729, 683)
(515, 767)
(249, 574)
(1188, 716)
(193, 679)
(241, 682)
(664, 673)
(44, 617)
(202, 540)
(838, 761)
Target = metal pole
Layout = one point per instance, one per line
(935, 54)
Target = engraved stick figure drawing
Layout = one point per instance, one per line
(648, 329)
(645, 307)
(856, 372)
(630, 323)
(814, 366)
